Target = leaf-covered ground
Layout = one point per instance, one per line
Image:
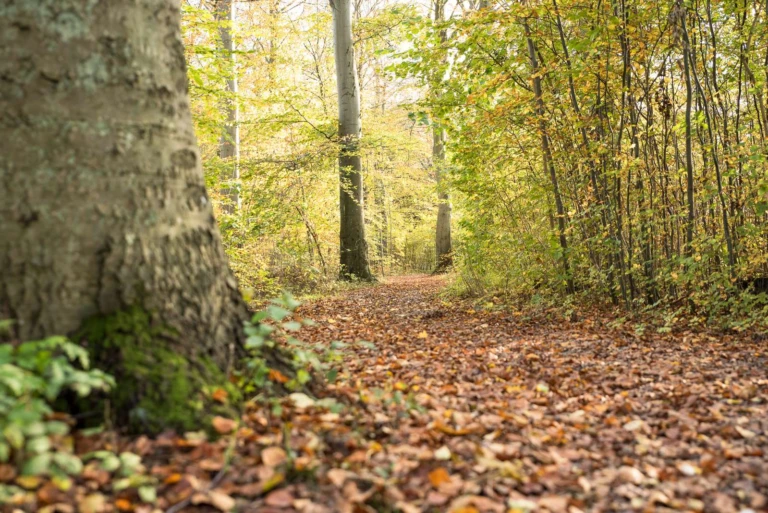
(458, 408)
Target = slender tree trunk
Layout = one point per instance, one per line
(353, 246)
(443, 245)
(229, 144)
(443, 248)
(689, 226)
(106, 208)
(587, 147)
(549, 165)
(715, 158)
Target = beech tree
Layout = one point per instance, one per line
(353, 246)
(104, 202)
(229, 144)
(443, 248)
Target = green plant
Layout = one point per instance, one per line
(275, 326)
(32, 376)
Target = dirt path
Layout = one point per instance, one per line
(548, 417)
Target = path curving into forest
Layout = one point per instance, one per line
(522, 415)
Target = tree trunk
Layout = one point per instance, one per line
(105, 206)
(443, 247)
(548, 161)
(691, 219)
(229, 144)
(353, 246)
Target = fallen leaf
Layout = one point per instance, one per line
(223, 425)
(301, 400)
(221, 500)
(439, 476)
(124, 505)
(277, 376)
(630, 475)
(633, 425)
(337, 476)
(220, 395)
(555, 504)
(94, 503)
(279, 499)
(443, 453)
(745, 433)
(273, 456)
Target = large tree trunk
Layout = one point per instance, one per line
(104, 205)
(229, 144)
(353, 246)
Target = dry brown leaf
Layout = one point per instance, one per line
(273, 456)
(221, 500)
(94, 503)
(279, 499)
(337, 476)
(223, 425)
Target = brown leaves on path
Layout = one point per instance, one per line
(449, 407)
(499, 414)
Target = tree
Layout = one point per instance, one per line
(443, 247)
(229, 145)
(105, 207)
(353, 246)
(546, 151)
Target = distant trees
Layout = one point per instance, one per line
(650, 119)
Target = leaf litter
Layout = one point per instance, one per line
(446, 407)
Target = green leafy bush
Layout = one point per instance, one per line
(276, 326)
(32, 376)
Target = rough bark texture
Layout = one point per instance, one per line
(353, 246)
(229, 144)
(104, 204)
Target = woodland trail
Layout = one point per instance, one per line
(545, 416)
(452, 408)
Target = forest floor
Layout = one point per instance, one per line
(450, 407)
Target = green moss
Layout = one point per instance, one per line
(161, 384)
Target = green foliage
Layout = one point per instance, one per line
(33, 375)
(268, 331)
(612, 113)
(285, 234)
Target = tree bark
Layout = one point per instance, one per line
(229, 144)
(443, 245)
(104, 201)
(691, 219)
(353, 246)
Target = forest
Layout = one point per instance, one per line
(356, 256)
